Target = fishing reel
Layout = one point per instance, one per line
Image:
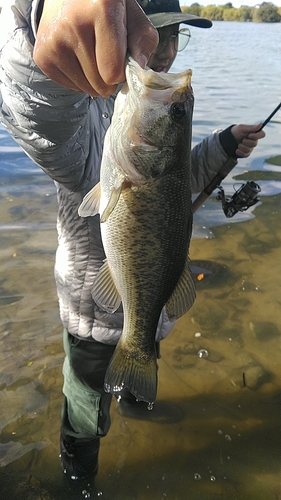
(243, 198)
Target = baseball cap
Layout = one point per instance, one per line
(166, 12)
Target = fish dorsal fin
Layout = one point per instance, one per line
(113, 200)
(183, 295)
(104, 291)
(90, 205)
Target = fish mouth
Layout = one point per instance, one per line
(160, 68)
(158, 79)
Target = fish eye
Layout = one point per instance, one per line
(178, 110)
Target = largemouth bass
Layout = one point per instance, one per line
(144, 202)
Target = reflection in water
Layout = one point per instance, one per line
(215, 430)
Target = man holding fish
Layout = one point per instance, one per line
(62, 63)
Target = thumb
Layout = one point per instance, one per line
(142, 36)
(257, 127)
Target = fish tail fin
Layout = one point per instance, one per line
(139, 376)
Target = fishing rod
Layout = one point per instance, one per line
(244, 197)
(270, 116)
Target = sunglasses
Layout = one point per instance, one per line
(179, 39)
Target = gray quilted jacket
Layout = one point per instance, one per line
(63, 132)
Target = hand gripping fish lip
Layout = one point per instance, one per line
(139, 79)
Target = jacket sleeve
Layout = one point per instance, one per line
(54, 125)
(208, 157)
(48, 121)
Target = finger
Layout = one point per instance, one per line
(257, 135)
(249, 143)
(142, 36)
(70, 59)
(69, 73)
(247, 129)
(111, 42)
(84, 72)
(63, 80)
(53, 72)
(243, 151)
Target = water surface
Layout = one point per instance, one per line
(215, 430)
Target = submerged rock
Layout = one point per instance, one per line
(249, 372)
(255, 376)
(252, 376)
(31, 489)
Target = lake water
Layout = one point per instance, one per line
(215, 431)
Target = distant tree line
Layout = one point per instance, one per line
(265, 12)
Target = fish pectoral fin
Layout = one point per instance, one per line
(113, 200)
(139, 376)
(183, 295)
(105, 293)
(90, 205)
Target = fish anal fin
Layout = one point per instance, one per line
(90, 205)
(113, 200)
(139, 376)
(183, 295)
(105, 293)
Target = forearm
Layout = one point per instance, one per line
(209, 156)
